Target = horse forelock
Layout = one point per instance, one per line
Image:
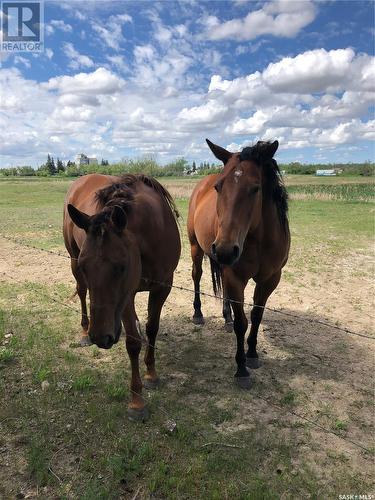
(119, 191)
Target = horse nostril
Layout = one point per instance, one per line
(236, 251)
(213, 249)
(107, 341)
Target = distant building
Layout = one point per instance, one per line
(82, 159)
(328, 172)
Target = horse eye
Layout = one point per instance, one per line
(254, 190)
(218, 186)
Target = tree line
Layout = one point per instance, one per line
(177, 168)
(149, 166)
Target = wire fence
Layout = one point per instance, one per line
(142, 338)
(207, 294)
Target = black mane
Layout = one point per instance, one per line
(121, 193)
(272, 173)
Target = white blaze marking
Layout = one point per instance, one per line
(237, 174)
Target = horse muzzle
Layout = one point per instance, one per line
(106, 341)
(225, 255)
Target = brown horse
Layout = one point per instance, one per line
(239, 219)
(123, 238)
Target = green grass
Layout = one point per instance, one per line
(340, 425)
(6, 355)
(334, 192)
(75, 440)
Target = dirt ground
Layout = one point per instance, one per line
(328, 372)
(342, 296)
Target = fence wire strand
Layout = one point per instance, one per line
(205, 294)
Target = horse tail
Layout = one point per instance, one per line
(216, 277)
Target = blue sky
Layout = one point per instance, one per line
(128, 79)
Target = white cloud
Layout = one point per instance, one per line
(163, 35)
(77, 60)
(112, 33)
(155, 111)
(118, 62)
(58, 24)
(297, 78)
(73, 114)
(206, 114)
(22, 60)
(49, 53)
(78, 100)
(99, 82)
(153, 69)
(312, 71)
(280, 18)
(252, 125)
(144, 53)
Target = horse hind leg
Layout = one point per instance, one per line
(261, 294)
(197, 258)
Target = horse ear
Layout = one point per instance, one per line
(271, 149)
(119, 218)
(220, 153)
(79, 218)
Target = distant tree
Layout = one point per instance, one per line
(43, 171)
(60, 166)
(50, 165)
(201, 165)
(26, 171)
(71, 169)
(104, 163)
(178, 167)
(194, 167)
(367, 169)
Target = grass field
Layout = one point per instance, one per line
(304, 430)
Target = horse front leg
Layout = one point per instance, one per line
(136, 409)
(156, 300)
(261, 293)
(197, 258)
(82, 293)
(235, 290)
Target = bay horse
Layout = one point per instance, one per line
(238, 218)
(122, 236)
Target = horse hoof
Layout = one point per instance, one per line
(138, 414)
(253, 363)
(151, 384)
(85, 341)
(198, 320)
(229, 326)
(243, 382)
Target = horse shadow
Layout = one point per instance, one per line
(298, 346)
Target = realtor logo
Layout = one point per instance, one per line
(22, 26)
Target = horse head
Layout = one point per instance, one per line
(239, 197)
(106, 262)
